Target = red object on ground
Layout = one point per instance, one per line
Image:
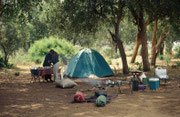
(79, 97)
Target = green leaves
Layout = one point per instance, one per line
(40, 48)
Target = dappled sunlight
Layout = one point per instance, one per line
(65, 107)
(31, 106)
(80, 114)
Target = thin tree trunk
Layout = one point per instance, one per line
(5, 55)
(161, 49)
(143, 37)
(121, 52)
(144, 51)
(161, 40)
(123, 56)
(138, 42)
(154, 41)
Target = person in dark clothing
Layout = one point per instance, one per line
(47, 63)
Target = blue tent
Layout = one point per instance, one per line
(88, 62)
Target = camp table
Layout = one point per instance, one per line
(47, 71)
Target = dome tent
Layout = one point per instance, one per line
(88, 62)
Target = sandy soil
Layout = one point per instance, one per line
(20, 98)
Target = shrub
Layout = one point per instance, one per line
(1, 62)
(21, 57)
(16, 73)
(40, 48)
(161, 57)
(167, 59)
(116, 55)
(2, 65)
(177, 55)
(178, 63)
(107, 51)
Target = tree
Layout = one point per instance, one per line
(9, 39)
(14, 14)
(145, 12)
(138, 10)
(167, 14)
(89, 16)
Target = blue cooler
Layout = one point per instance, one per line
(154, 83)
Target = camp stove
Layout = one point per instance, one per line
(118, 83)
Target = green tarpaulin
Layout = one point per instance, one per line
(88, 62)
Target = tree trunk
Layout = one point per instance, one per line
(123, 56)
(5, 55)
(116, 39)
(157, 47)
(161, 49)
(138, 42)
(154, 41)
(143, 37)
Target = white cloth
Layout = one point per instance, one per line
(55, 70)
(142, 76)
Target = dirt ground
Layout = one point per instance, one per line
(20, 98)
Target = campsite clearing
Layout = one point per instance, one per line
(20, 98)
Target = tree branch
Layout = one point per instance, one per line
(150, 20)
(112, 36)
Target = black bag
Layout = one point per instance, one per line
(98, 93)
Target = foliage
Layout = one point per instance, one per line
(136, 66)
(9, 40)
(177, 55)
(107, 51)
(116, 55)
(167, 59)
(16, 73)
(2, 62)
(40, 48)
(178, 64)
(161, 57)
(20, 57)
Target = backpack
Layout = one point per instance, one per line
(101, 101)
(79, 97)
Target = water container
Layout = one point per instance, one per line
(135, 84)
(154, 83)
(145, 81)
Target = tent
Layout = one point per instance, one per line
(88, 62)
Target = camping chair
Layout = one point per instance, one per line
(162, 74)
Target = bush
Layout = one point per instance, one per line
(16, 73)
(161, 57)
(21, 57)
(177, 55)
(1, 62)
(40, 48)
(107, 51)
(116, 55)
(2, 65)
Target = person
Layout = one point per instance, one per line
(47, 63)
(55, 61)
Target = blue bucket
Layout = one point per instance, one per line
(154, 83)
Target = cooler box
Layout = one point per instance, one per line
(154, 83)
